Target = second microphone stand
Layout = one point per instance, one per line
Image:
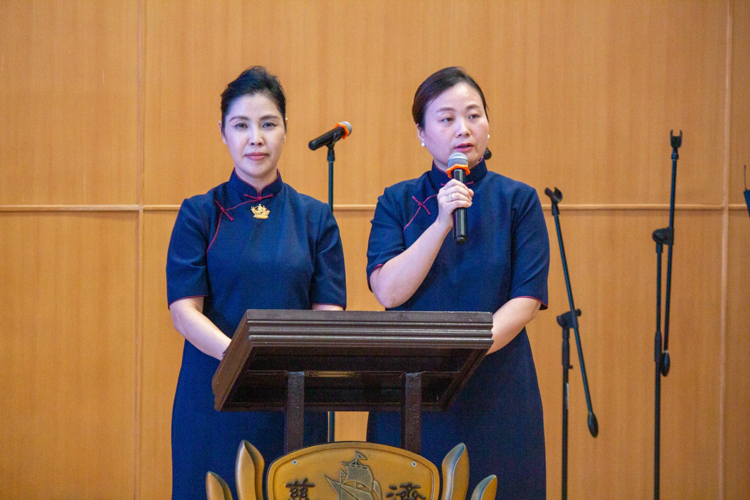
(663, 236)
(567, 321)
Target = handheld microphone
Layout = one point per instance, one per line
(340, 131)
(458, 168)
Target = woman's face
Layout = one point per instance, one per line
(455, 122)
(254, 133)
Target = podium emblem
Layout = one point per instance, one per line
(356, 481)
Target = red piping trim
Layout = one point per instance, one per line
(373, 270)
(250, 185)
(188, 297)
(421, 205)
(530, 297)
(256, 199)
(239, 205)
(215, 234)
(223, 210)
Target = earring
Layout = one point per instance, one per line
(488, 136)
(423, 144)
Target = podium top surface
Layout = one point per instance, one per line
(352, 360)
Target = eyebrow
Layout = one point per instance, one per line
(448, 108)
(264, 117)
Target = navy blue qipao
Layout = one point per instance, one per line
(221, 251)
(498, 414)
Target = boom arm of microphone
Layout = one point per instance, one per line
(340, 131)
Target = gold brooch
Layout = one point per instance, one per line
(260, 212)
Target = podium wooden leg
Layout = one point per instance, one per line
(411, 412)
(295, 411)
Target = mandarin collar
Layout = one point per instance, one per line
(440, 178)
(243, 187)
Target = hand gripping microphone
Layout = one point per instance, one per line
(458, 168)
(340, 131)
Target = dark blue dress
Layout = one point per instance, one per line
(498, 414)
(220, 250)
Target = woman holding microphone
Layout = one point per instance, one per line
(414, 265)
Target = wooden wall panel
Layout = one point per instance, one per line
(161, 356)
(739, 113)
(355, 231)
(67, 355)
(68, 102)
(584, 92)
(587, 92)
(611, 259)
(737, 398)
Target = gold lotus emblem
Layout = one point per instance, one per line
(260, 212)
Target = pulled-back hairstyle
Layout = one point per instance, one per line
(255, 80)
(436, 84)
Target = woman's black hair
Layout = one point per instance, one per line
(255, 80)
(436, 84)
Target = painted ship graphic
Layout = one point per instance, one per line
(356, 481)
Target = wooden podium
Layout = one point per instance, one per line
(289, 360)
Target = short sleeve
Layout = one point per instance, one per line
(530, 251)
(328, 284)
(187, 275)
(386, 235)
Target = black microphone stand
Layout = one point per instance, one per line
(331, 159)
(663, 236)
(567, 321)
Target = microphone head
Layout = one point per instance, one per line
(347, 125)
(457, 159)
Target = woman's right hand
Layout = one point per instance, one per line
(189, 320)
(397, 280)
(453, 195)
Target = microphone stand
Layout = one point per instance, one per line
(331, 159)
(567, 321)
(663, 236)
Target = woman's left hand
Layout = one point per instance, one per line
(510, 319)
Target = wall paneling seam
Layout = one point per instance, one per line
(141, 120)
(369, 208)
(725, 250)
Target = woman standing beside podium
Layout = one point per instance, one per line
(250, 243)
(413, 264)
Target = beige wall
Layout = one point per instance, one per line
(108, 115)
